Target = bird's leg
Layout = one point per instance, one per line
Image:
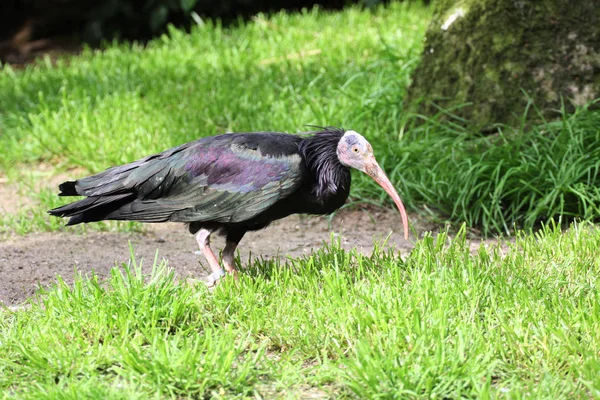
(233, 239)
(229, 257)
(203, 239)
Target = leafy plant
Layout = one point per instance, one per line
(516, 320)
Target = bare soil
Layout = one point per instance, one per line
(27, 262)
(36, 260)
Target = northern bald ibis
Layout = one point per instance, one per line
(230, 184)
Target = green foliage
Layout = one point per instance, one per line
(281, 73)
(517, 177)
(446, 322)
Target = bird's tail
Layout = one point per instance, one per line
(113, 194)
(104, 191)
(90, 209)
(67, 189)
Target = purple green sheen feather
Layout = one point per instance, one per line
(239, 170)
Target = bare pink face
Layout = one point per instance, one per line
(354, 151)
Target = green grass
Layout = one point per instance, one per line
(348, 68)
(516, 177)
(444, 322)
(517, 322)
(35, 218)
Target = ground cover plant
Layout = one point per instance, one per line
(516, 177)
(518, 321)
(350, 69)
(444, 322)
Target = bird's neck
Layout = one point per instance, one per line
(320, 155)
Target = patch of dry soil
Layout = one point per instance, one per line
(27, 262)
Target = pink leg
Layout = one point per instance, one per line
(203, 239)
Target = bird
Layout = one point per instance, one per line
(230, 184)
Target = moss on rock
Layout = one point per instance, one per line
(485, 53)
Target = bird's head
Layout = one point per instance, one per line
(354, 151)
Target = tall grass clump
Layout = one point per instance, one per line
(515, 177)
(281, 73)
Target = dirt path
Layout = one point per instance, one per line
(37, 259)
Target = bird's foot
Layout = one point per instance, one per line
(213, 279)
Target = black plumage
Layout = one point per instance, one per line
(230, 183)
(238, 181)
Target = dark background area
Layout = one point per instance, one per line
(29, 28)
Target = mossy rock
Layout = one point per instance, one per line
(484, 59)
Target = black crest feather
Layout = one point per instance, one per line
(320, 153)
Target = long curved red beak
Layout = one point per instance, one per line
(376, 172)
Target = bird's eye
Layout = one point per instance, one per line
(355, 150)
